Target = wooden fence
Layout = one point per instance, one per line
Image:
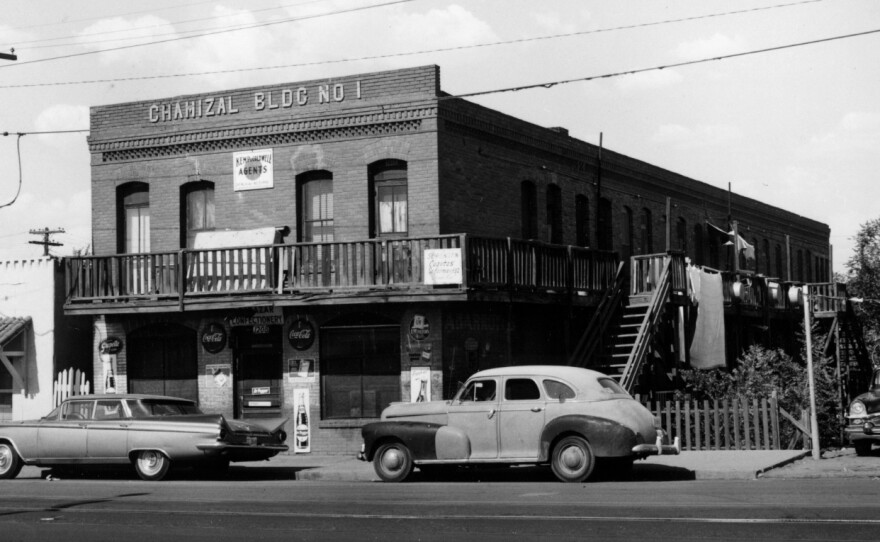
(739, 424)
(70, 382)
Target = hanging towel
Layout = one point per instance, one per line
(707, 349)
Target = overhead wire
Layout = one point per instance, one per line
(410, 53)
(209, 33)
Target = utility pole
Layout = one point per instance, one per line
(9, 56)
(46, 232)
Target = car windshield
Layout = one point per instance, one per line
(145, 408)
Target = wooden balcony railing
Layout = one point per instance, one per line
(372, 264)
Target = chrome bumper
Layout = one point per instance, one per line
(658, 448)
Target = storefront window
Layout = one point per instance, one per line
(360, 370)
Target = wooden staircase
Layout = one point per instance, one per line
(621, 350)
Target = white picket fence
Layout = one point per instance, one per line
(70, 382)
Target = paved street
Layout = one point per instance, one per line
(269, 502)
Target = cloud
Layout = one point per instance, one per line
(856, 132)
(34, 211)
(717, 45)
(701, 136)
(650, 80)
(61, 117)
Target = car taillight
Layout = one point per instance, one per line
(282, 436)
(223, 434)
(857, 408)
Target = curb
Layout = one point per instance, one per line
(783, 463)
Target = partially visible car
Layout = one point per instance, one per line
(149, 431)
(558, 415)
(863, 418)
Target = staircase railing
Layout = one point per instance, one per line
(591, 339)
(646, 330)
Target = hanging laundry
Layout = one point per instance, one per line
(707, 348)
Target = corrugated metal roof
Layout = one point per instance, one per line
(10, 326)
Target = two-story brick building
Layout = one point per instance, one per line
(348, 242)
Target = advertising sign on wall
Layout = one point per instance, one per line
(219, 376)
(301, 370)
(302, 427)
(420, 384)
(252, 170)
(443, 266)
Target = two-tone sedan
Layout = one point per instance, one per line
(564, 416)
(150, 432)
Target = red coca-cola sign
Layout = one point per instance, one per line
(301, 334)
(214, 338)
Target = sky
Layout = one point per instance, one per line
(796, 125)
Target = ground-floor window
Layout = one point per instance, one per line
(162, 360)
(360, 370)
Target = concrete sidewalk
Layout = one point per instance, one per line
(708, 465)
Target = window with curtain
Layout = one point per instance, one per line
(197, 210)
(388, 179)
(133, 200)
(316, 206)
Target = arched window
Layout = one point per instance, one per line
(529, 210)
(800, 265)
(606, 227)
(315, 206)
(626, 222)
(765, 256)
(133, 218)
(647, 229)
(681, 242)
(389, 210)
(582, 220)
(808, 267)
(197, 211)
(554, 213)
(780, 274)
(699, 244)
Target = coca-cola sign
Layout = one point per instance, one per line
(301, 334)
(214, 338)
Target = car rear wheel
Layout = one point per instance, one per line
(10, 463)
(152, 465)
(863, 447)
(393, 462)
(572, 459)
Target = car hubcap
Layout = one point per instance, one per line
(392, 460)
(150, 462)
(573, 458)
(5, 458)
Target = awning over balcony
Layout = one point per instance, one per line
(236, 238)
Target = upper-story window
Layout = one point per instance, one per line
(554, 213)
(315, 206)
(388, 181)
(681, 235)
(626, 220)
(780, 274)
(197, 210)
(529, 213)
(647, 228)
(133, 216)
(699, 244)
(606, 226)
(582, 220)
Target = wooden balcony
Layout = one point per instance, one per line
(460, 267)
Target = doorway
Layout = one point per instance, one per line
(258, 371)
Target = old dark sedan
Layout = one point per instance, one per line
(863, 418)
(150, 432)
(561, 416)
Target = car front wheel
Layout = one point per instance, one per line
(10, 463)
(152, 465)
(393, 462)
(572, 459)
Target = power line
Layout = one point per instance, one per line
(410, 53)
(24, 45)
(213, 33)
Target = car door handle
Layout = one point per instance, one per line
(537, 409)
(491, 413)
